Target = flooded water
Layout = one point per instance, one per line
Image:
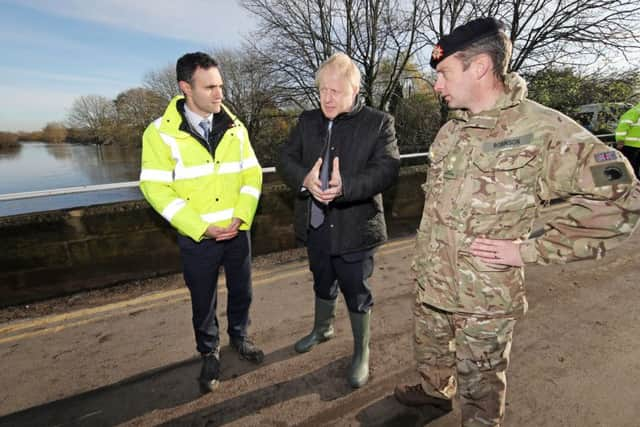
(41, 166)
(34, 166)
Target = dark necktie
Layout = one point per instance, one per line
(317, 209)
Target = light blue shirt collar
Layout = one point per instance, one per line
(195, 119)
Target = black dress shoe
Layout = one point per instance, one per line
(247, 350)
(414, 395)
(210, 371)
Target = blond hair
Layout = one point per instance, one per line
(344, 66)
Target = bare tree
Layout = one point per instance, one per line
(296, 36)
(135, 109)
(94, 113)
(163, 81)
(251, 88)
(547, 33)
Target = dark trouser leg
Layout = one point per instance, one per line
(633, 155)
(325, 289)
(325, 284)
(352, 271)
(237, 267)
(483, 347)
(200, 262)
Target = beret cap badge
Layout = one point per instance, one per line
(463, 36)
(437, 52)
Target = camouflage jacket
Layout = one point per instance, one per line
(491, 174)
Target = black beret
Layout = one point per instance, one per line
(463, 36)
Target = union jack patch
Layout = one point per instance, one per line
(605, 157)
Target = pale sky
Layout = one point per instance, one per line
(56, 50)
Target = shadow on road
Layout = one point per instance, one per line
(329, 382)
(166, 387)
(375, 406)
(387, 412)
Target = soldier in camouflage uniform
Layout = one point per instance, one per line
(493, 167)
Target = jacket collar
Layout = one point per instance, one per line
(515, 92)
(174, 122)
(358, 105)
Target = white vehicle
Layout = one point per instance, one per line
(601, 119)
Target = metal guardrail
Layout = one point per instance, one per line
(67, 190)
(130, 184)
(116, 185)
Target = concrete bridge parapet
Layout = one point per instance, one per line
(48, 254)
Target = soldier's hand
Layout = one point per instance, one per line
(497, 252)
(312, 181)
(335, 184)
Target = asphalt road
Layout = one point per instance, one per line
(575, 358)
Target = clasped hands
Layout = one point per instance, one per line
(313, 183)
(224, 233)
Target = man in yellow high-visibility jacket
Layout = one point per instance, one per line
(628, 137)
(200, 173)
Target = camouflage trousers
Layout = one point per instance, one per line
(466, 355)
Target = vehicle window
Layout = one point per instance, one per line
(607, 120)
(584, 119)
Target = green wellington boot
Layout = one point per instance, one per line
(325, 312)
(359, 372)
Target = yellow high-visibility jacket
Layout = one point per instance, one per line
(192, 189)
(628, 130)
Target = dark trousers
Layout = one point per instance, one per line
(201, 262)
(633, 154)
(348, 272)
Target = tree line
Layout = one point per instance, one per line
(270, 78)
